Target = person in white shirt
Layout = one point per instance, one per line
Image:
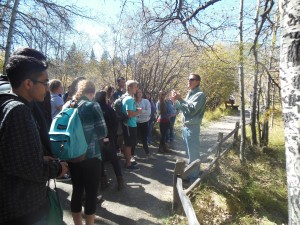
(57, 102)
(142, 122)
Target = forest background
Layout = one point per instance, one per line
(234, 46)
(130, 45)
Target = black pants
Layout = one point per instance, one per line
(110, 154)
(85, 178)
(163, 127)
(142, 132)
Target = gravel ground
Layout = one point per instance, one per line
(147, 196)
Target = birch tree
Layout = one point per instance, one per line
(290, 93)
(241, 81)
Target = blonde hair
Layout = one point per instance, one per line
(84, 87)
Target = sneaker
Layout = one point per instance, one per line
(65, 177)
(120, 155)
(148, 156)
(132, 168)
(134, 163)
(132, 159)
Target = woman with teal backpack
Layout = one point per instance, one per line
(85, 174)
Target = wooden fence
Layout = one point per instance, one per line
(181, 201)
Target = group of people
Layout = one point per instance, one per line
(26, 160)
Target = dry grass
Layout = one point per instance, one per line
(253, 193)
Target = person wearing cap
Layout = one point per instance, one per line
(192, 108)
(130, 126)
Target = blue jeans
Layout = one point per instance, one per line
(191, 135)
(170, 132)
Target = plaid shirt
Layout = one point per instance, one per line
(23, 171)
(93, 125)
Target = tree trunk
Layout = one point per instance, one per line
(10, 33)
(241, 80)
(290, 92)
(255, 80)
(268, 100)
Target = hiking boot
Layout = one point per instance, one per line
(132, 168)
(161, 150)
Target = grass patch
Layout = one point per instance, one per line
(250, 193)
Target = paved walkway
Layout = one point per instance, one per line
(147, 197)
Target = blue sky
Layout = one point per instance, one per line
(109, 10)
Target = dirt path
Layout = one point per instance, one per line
(147, 197)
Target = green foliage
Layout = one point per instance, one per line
(219, 75)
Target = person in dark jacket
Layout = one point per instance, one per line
(109, 145)
(24, 169)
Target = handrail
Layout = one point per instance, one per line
(181, 201)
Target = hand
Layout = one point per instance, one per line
(139, 110)
(176, 95)
(64, 168)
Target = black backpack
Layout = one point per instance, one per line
(118, 109)
(4, 84)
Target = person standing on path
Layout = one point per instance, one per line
(142, 121)
(24, 169)
(192, 108)
(86, 172)
(130, 127)
(118, 93)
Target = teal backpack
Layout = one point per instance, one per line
(67, 136)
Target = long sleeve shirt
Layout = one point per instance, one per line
(193, 107)
(23, 170)
(94, 127)
(146, 111)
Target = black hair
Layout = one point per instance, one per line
(120, 78)
(31, 53)
(197, 76)
(20, 68)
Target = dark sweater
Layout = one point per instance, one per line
(23, 171)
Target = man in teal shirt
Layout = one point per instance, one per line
(192, 107)
(130, 127)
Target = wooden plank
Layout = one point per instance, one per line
(178, 171)
(190, 168)
(186, 204)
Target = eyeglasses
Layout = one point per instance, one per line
(192, 79)
(45, 83)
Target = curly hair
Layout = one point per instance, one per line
(84, 87)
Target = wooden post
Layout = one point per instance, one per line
(178, 171)
(236, 133)
(219, 147)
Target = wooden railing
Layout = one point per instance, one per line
(181, 201)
